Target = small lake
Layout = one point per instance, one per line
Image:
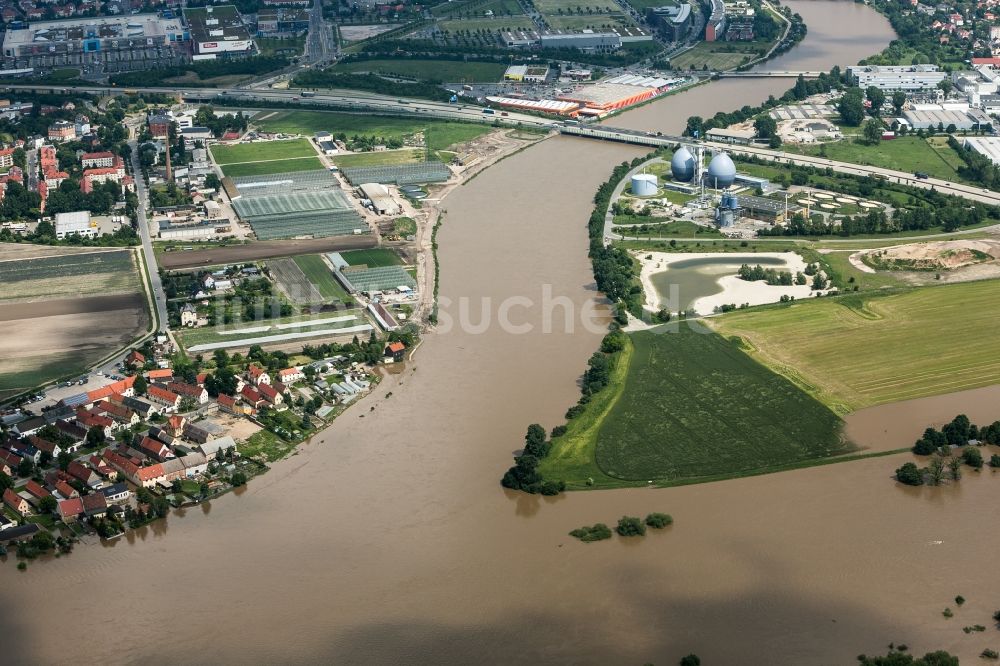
(699, 277)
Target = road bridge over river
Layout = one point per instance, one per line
(768, 75)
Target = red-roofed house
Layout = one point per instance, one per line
(16, 502)
(118, 412)
(102, 468)
(121, 387)
(36, 490)
(88, 420)
(70, 509)
(45, 445)
(104, 160)
(271, 394)
(252, 396)
(196, 393)
(395, 351)
(170, 400)
(164, 373)
(135, 358)
(290, 375)
(95, 504)
(66, 491)
(83, 474)
(155, 449)
(258, 375)
(10, 459)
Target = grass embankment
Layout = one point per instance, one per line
(718, 56)
(687, 406)
(860, 350)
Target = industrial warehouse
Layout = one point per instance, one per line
(597, 100)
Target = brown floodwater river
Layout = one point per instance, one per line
(388, 539)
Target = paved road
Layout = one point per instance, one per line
(159, 298)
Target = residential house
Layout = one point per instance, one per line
(66, 491)
(87, 419)
(116, 494)
(172, 469)
(70, 509)
(83, 474)
(170, 400)
(175, 425)
(189, 315)
(144, 409)
(121, 387)
(258, 375)
(396, 351)
(163, 435)
(135, 358)
(25, 450)
(29, 426)
(103, 469)
(9, 461)
(252, 397)
(291, 375)
(155, 449)
(196, 393)
(195, 464)
(118, 412)
(16, 502)
(72, 430)
(95, 504)
(45, 446)
(97, 160)
(36, 490)
(163, 374)
(271, 394)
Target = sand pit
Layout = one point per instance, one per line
(935, 256)
(732, 288)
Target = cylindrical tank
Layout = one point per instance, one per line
(682, 165)
(730, 201)
(721, 172)
(727, 217)
(644, 185)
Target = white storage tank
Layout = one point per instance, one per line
(644, 185)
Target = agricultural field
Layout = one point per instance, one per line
(686, 405)
(30, 277)
(293, 283)
(261, 151)
(428, 70)
(861, 350)
(320, 275)
(908, 153)
(383, 157)
(439, 134)
(372, 258)
(237, 169)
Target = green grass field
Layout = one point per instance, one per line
(434, 70)
(263, 150)
(438, 134)
(687, 406)
(274, 166)
(291, 47)
(908, 153)
(317, 272)
(717, 55)
(372, 258)
(861, 350)
(403, 156)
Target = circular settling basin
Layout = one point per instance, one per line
(699, 277)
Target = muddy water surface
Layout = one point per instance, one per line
(389, 540)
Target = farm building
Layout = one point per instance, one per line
(381, 201)
(78, 222)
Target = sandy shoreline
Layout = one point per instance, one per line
(734, 290)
